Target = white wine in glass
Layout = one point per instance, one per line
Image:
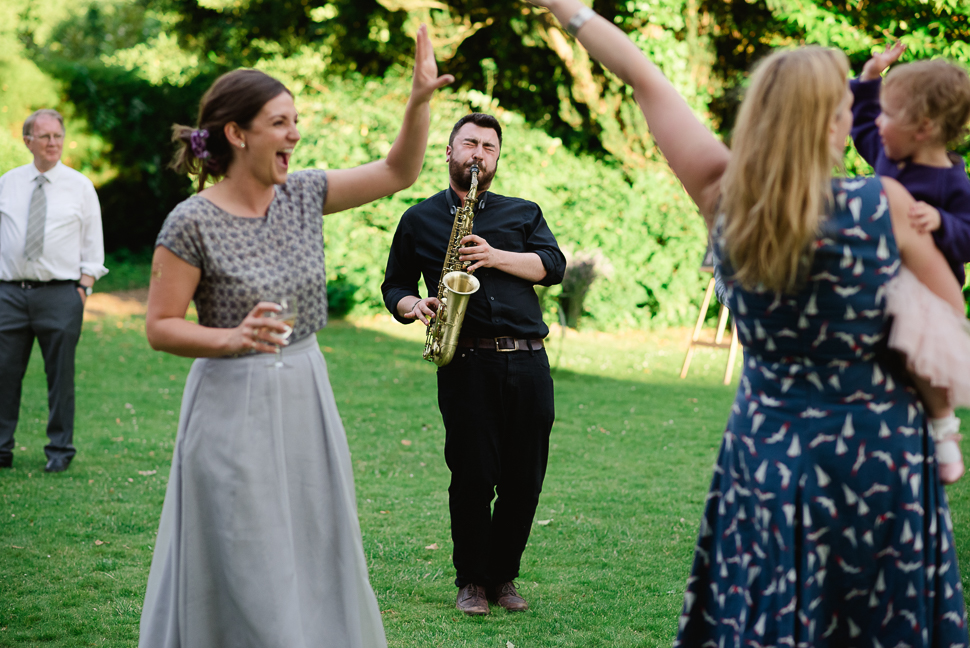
(287, 315)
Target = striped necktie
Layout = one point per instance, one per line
(36, 221)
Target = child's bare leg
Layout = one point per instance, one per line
(945, 428)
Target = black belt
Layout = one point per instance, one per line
(503, 344)
(28, 284)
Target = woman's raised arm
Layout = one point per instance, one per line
(696, 156)
(360, 185)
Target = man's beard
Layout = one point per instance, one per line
(461, 176)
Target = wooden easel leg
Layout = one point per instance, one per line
(703, 314)
(687, 359)
(732, 354)
(697, 327)
(722, 319)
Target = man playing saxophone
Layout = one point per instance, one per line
(496, 394)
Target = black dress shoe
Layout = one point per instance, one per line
(6, 461)
(57, 464)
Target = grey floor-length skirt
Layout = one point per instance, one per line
(259, 544)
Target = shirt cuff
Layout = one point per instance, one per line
(549, 263)
(392, 299)
(95, 270)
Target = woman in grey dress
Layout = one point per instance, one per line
(259, 544)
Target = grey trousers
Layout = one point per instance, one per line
(52, 314)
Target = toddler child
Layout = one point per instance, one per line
(901, 126)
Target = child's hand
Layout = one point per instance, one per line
(875, 66)
(924, 218)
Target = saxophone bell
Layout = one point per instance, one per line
(443, 333)
(455, 287)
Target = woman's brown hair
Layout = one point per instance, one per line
(777, 186)
(236, 96)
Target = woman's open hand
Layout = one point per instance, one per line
(348, 188)
(426, 79)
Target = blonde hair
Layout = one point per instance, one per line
(936, 90)
(777, 186)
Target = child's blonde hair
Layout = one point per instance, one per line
(937, 90)
(777, 186)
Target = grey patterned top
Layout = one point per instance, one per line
(246, 260)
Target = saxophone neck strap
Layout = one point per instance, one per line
(456, 202)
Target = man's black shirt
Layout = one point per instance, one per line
(505, 304)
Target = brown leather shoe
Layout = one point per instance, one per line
(471, 600)
(506, 596)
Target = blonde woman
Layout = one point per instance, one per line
(826, 524)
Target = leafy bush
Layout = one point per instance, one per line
(340, 296)
(643, 224)
(135, 117)
(123, 71)
(127, 270)
(13, 153)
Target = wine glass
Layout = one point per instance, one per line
(287, 314)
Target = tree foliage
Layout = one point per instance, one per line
(647, 234)
(125, 70)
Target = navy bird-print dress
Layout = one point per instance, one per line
(826, 523)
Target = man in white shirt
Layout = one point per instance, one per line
(51, 253)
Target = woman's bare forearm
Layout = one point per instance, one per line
(181, 337)
(696, 156)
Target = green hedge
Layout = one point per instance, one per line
(644, 227)
(124, 70)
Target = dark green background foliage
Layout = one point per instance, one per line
(124, 70)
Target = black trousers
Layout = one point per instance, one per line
(498, 412)
(52, 314)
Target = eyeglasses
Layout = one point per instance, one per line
(48, 138)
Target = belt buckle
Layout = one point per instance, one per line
(501, 350)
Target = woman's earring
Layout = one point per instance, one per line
(242, 145)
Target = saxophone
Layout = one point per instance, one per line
(455, 287)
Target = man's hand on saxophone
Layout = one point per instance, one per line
(477, 251)
(416, 308)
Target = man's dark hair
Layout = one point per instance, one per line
(479, 119)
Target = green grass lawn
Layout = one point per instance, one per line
(609, 552)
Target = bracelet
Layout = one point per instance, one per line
(579, 20)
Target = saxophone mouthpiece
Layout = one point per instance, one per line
(474, 169)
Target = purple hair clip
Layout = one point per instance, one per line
(197, 140)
